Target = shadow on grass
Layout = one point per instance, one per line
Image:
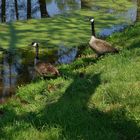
(75, 118)
(134, 45)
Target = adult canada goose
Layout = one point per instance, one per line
(101, 47)
(43, 68)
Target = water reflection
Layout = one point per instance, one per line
(0, 10)
(11, 10)
(12, 73)
(66, 55)
(18, 68)
(108, 31)
(138, 10)
(130, 16)
(60, 6)
(22, 9)
(35, 9)
(9, 75)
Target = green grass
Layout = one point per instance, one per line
(102, 103)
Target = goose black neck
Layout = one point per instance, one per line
(92, 28)
(37, 52)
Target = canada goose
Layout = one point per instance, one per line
(43, 68)
(101, 47)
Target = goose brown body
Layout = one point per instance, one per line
(101, 47)
(46, 69)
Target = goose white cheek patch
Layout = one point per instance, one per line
(34, 44)
(92, 20)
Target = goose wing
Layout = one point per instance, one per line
(46, 69)
(105, 46)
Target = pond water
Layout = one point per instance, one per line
(16, 69)
(11, 10)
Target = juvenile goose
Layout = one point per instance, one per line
(101, 47)
(43, 68)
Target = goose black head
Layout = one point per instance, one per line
(34, 44)
(92, 25)
(91, 19)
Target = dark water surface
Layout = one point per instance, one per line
(16, 68)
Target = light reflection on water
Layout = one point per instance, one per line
(66, 55)
(60, 7)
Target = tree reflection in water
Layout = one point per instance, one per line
(12, 73)
(11, 10)
(9, 74)
(138, 10)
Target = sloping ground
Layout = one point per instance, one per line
(93, 99)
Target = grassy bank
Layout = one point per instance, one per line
(93, 99)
